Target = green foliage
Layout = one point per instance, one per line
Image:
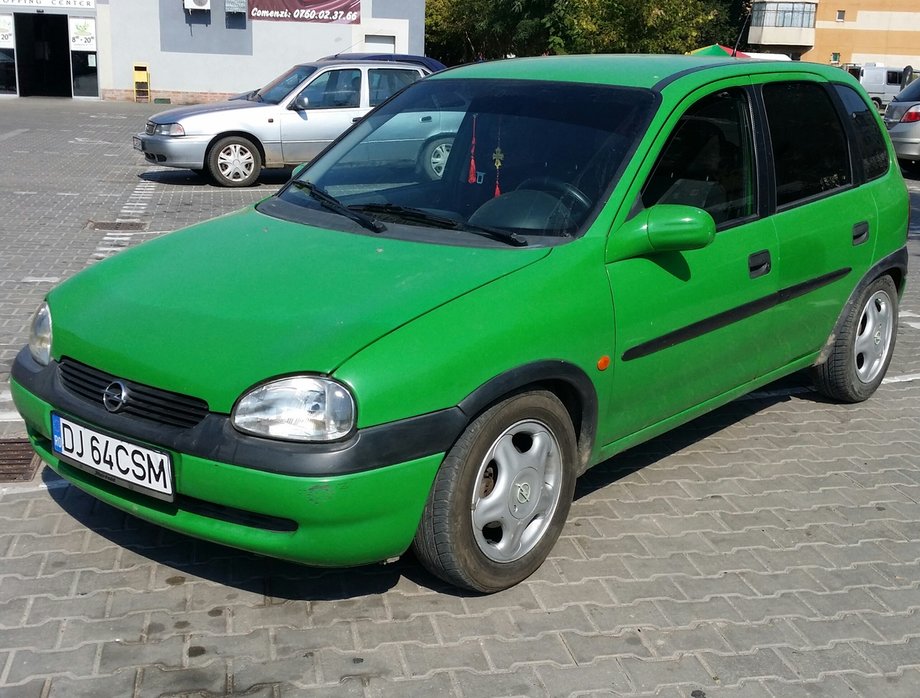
(460, 31)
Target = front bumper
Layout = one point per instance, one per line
(327, 520)
(174, 151)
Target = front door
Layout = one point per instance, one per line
(693, 325)
(334, 103)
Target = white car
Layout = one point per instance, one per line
(287, 122)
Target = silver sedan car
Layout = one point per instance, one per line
(289, 121)
(903, 120)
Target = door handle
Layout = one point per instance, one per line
(759, 264)
(356, 119)
(860, 232)
(426, 120)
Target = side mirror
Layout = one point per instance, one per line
(295, 173)
(662, 228)
(300, 103)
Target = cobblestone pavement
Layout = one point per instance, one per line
(771, 548)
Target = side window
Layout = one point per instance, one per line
(335, 89)
(810, 154)
(708, 160)
(870, 142)
(386, 81)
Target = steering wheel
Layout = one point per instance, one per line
(557, 185)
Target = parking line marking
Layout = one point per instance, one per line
(902, 379)
(13, 133)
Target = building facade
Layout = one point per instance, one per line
(186, 50)
(845, 33)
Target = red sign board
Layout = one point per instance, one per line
(333, 11)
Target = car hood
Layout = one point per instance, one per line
(172, 116)
(213, 309)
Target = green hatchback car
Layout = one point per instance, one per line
(373, 359)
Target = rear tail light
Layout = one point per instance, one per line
(911, 115)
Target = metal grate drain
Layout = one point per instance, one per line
(117, 225)
(18, 462)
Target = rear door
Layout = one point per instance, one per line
(693, 325)
(826, 223)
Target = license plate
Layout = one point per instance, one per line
(137, 144)
(122, 462)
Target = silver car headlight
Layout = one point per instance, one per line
(40, 335)
(169, 130)
(300, 408)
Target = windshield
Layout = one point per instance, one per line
(281, 87)
(462, 157)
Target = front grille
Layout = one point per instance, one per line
(153, 404)
(150, 128)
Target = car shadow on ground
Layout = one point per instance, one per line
(178, 177)
(278, 580)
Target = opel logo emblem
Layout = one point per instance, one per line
(115, 396)
(523, 493)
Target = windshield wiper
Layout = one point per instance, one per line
(328, 201)
(422, 216)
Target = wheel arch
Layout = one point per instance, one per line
(240, 134)
(566, 381)
(893, 265)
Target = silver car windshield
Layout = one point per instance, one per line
(281, 87)
(531, 158)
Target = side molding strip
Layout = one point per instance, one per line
(725, 318)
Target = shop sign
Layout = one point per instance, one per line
(7, 38)
(82, 34)
(53, 4)
(326, 11)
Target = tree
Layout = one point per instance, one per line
(459, 31)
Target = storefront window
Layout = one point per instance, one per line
(7, 71)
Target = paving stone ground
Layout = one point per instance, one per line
(769, 549)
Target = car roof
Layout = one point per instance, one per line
(429, 63)
(651, 71)
(325, 63)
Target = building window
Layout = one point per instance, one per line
(841, 15)
(783, 14)
(835, 58)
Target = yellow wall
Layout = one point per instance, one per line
(884, 31)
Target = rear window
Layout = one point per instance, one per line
(870, 143)
(911, 93)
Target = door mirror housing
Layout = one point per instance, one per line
(295, 173)
(300, 103)
(662, 228)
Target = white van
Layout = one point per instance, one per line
(882, 82)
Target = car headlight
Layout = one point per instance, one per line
(40, 335)
(169, 130)
(301, 408)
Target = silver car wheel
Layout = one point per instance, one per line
(873, 337)
(517, 490)
(235, 162)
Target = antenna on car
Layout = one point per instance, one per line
(741, 33)
(348, 49)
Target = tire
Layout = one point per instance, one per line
(234, 162)
(484, 495)
(862, 350)
(434, 157)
